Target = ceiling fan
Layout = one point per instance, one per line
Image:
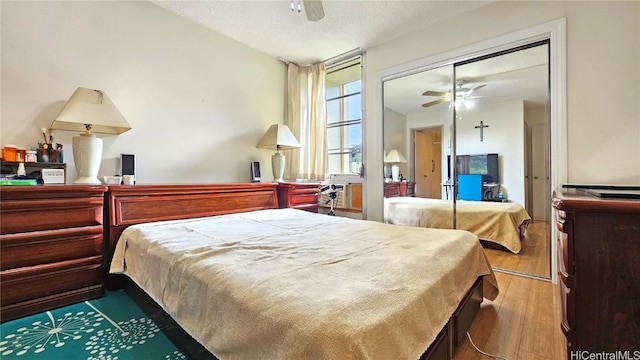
(313, 9)
(462, 95)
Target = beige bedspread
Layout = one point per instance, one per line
(287, 284)
(501, 223)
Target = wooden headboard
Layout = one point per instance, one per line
(128, 205)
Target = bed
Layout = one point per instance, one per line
(496, 222)
(254, 281)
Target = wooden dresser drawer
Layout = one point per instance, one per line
(303, 196)
(33, 282)
(567, 311)
(304, 199)
(566, 258)
(49, 214)
(41, 247)
(51, 241)
(391, 189)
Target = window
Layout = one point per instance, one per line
(344, 117)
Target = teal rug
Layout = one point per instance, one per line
(109, 328)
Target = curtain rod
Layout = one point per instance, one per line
(285, 61)
(332, 60)
(342, 57)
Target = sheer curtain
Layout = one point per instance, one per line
(307, 119)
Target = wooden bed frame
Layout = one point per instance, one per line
(128, 205)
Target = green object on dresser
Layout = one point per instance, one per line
(18, 182)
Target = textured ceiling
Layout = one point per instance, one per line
(272, 28)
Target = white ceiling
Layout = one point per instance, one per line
(272, 28)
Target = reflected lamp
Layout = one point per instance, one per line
(394, 157)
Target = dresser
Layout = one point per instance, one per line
(51, 240)
(399, 188)
(298, 195)
(599, 271)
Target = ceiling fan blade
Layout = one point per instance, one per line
(313, 9)
(478, 87)
(436, 93)
(434, 102)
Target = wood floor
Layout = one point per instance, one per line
(534, 257)
(522, 323)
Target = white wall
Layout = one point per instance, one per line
(395, 126)
(505, 136)
(198, 102)
(603, 52)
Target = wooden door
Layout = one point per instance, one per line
(428, 163)
(540, 171)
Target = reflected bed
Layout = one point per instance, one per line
(501, 223)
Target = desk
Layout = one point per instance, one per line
(487, 189)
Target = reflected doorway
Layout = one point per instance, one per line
(428, 162)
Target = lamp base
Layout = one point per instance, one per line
(87, 181)
(395, 173)
(87, 154)
(277, 166)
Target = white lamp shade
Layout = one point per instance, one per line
(88, 106)
(278, 137)
(89, 110)
(394, 156)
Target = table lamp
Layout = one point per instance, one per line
(394, 157)
(90, 111)
(278, 137)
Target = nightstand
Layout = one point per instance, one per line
(51, 240)
(399, 188)
(298, 195)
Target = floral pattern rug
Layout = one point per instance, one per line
(109, 328)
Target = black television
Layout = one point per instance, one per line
(482, 164)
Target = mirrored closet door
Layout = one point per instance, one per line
(471, 142)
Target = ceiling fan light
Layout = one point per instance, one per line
(463, 92)
(468, 104)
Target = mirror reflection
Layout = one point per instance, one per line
(496, 153)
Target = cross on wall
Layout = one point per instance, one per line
(481, 127)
